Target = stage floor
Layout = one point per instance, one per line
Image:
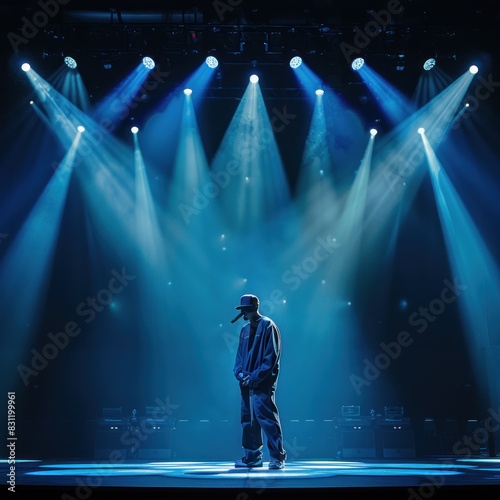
(438, 477)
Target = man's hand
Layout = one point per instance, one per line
(244, 379)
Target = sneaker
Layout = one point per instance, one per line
(276, 464)
(244, 462)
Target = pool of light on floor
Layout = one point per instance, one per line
(480, 460)
(296, 469)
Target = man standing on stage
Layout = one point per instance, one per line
(256, 368)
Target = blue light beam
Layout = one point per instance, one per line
(70, 84)
(308, 79)
(152, 263)
(399, 167)
(395, 106)
(257, 187)
(472, 263)
(149, 238)
(119, 103)
(24, 272)
(430, 84)
(316, 198)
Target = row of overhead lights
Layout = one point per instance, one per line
(359, 62)
(294, 62)
(212, 62)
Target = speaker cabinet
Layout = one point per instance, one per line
(111, 443)
(358, 443)
(122, 442)
(398, 443)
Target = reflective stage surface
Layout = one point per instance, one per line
(438, 477)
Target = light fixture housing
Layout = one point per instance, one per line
(358, 63)
(212, 61)
(294, 58)
(70, 62)
(295, 62)
(148, 62)
(429, 64)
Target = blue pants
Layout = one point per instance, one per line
(259, 413)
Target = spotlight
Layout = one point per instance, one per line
(70, 62)
(373, 132)
(473, 69)
(134, 130)
(357, 64)
(25, 67)
(294, 58)
(295, 62)
(188, 91)
(148, 62)
(212, 61)
(421, 130)
(429, 64)
(254, 78)
(319, 92)
(80, 128)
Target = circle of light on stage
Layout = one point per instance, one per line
(188, 91)
(473, 69)
(148, 62)
(212, 62)
(70, 62)
(80, 128)
(134, 130)
(421, 130)
(429, 64)
(319, 92)
(373, 132)
(295, 62)
(357, 64)
(25, 67)
(254, 78)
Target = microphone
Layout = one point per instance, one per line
(237, 317)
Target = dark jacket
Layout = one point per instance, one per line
(259, 356)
